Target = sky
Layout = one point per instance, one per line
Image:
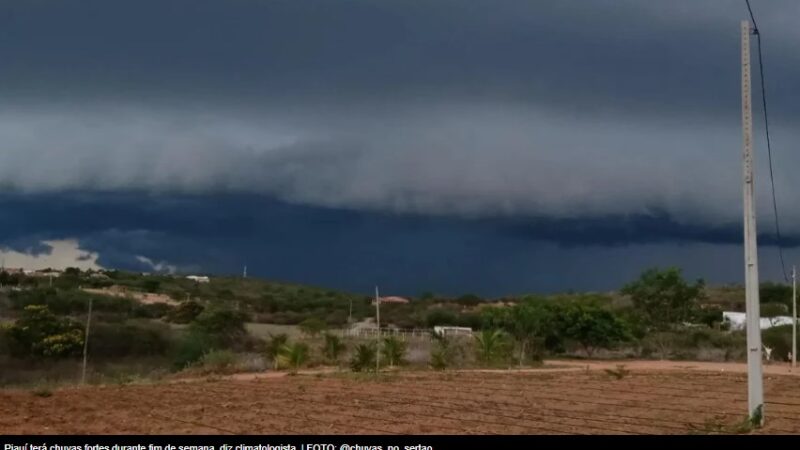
(491, 147)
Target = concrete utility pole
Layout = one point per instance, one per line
(86, 342)
(378, 322)
(794, 317)
(350, 315)
(755, 382)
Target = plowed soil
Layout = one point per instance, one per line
(544, 402)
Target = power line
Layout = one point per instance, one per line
(769, 142)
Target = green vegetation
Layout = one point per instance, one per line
(365, 358)
(333, 348)
(294, 355)
(38, 333)
(663, 298)
(231, 323)
(491, 346)
(312, 326)
(274, 347)
(393, 351)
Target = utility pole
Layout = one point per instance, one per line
(794, 317)
(244, 274)
(350, 315)
(378, 321)
(86, 342)
(755, 382)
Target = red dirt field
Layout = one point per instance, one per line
(540, 402)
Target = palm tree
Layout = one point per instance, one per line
(364, 358)
(294, 355)
(333, 347)
(276, 343)
(394, 351)
(491, 344)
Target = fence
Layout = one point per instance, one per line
(404, 334)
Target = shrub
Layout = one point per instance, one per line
(294, 355)
(440, 316)
(129, 339)
(40, 333)
(225, 326)
(491, 346)
(219, 361)
(364, 358)
(333, 348)
(394, 351)
(779, 339)
(191, 349)
(312, 326)
(443, 354)
(185, 312)
(274, 346)
(152, 310)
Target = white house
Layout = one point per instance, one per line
(737, 320)
(452, 331)
(198, 278)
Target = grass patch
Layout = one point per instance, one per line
(42, 392)
(619, 373)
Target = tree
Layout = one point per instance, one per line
(334, 347)
(393, 351)
(312, 326)
(294, 355)
(151, 285)
(773, 310)
(40, 333)
(224, 325)
(491, 345)
(440, 316)
(590, 325)
(775, 293)
(527, 322)
(274, 347)
(663, 297)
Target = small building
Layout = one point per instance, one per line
(737, 320)
(47, 273)
(198, 278)
(392, 299)
(445, 331)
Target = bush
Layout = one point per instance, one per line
(443, 354)
(69, 301)
(440, 316)
(40, 333)
(294, 355)
(129, 339)
(191, 348)
(274, 346)
(334, 347)
(779, 339)
(394, 351)
(312, 326)
(364, 358)
(492, 346)
(219, 361)
(152, 310)
(185, 312)
(225, 326)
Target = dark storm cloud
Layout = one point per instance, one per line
(560, 115)
(585, 57)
